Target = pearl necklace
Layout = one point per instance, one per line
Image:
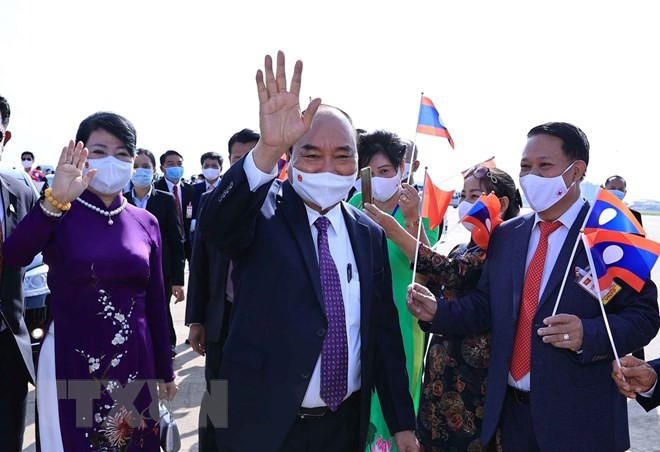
(104, 212)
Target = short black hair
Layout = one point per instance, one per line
(616, 177)
(149, 154)
(112, 123)
(5, 111)
(574, 141)
(381, 142)
(167, 154)
(243, 136)
(29, 154)
(213, 156)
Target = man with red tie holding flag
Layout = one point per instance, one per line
(549, 384)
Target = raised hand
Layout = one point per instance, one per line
(69, 182)
(409, 202)
(281, 122)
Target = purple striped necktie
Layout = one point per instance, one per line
(334, 355)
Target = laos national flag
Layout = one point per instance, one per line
(629, 257)
(484, 216)
(611, 214)
(429, 122)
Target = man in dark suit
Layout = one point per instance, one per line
(549, 384)
(210, 298)
(171, 164)
(17, 368)
(314, 327)
(211, 169)
(640, 382)
(162, 205)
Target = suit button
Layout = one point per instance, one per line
(304, 375)
(320, 332)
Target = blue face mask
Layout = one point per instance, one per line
(618, 193)
(174, 173)
(142, 177)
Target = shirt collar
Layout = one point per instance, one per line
(171, 184)
(567, 218)
(334, 215)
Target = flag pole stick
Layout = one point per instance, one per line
(570, 261)
(600, 299)
(419, 228)
(414, 143)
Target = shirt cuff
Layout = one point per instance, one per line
(649, 393)
(256, 178)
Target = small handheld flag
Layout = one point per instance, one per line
(609, 213)
(629, 257)
(485, 216)
(429, 122)
(435, 202)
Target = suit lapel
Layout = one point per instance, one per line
(360, 238)
(10, 201)
(559, 268)
(519, 259)
(295, 215)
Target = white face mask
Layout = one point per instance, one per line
(544, 192)
(383, 188)
(323, 189)
(463, 208)
(211, 173)
(27, 163)
(111, 176)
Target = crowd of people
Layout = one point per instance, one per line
(328, 313)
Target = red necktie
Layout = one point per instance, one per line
(175, 190)
(211, 187)
(522, 345)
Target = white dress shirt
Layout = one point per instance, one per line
(555, 243)
(342, 253)
(170, 184)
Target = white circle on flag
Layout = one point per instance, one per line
(612, 253)
(606, 216)
(488, 224)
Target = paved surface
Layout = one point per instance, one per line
(644, 427)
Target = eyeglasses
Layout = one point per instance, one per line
(480, 171)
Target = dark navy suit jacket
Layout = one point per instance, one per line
(278, 321)
(575, 404)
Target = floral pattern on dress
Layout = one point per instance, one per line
(115, 428)
(451, 407)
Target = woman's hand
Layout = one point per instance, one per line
(409, 203)
(167, 391)
(69, 182)
(383, 219)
